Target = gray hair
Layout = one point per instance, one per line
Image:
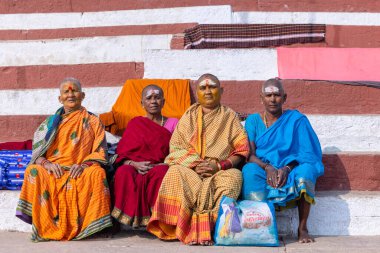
(71, 80)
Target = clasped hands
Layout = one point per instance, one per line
(276, 177)
(141, 167)
(54, 168)
(206, 168)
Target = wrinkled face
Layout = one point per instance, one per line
(209, 93)
(273, 98)
(153, 101)
(71, 97)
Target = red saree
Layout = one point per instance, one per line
(135, 194)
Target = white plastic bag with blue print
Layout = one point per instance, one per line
(246, 222)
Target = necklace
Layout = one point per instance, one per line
(265, 119)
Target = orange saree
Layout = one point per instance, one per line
(67, 208)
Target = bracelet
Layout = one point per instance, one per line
(128, 162)
(88, 164)
(226, 164)
(289, 169)
(219, 166)
(266, 165)
(44, 162)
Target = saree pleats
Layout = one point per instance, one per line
(187, 206)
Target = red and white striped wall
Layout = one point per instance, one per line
(105, 42)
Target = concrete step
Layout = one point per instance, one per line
(336, 213)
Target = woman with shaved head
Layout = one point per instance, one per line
(285, 159)
(205, 150)
(141, 153)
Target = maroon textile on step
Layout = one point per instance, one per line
(135, 194)
(17, 145)
(252, 35)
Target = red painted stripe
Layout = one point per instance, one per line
(49, 76)
(93, 31)
(47, 6)
(350, 172)
(352, 36)
(19, 128)
(310, 97)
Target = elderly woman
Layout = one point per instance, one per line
(65, 193)
(141, 153)
(285, 159)
(206, 148)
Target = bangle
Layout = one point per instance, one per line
(226, 164)
(219, 166)
(289, 169)
(128, 162)
(44, 162)
(88, 164)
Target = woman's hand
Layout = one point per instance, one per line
(142, 167)
(206, 169)
(282, 176)
(76, 170)
(271, 175)
(54, 168)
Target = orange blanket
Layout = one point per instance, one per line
(128, 104)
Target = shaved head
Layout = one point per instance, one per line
(272, 85)
(151, 87)
(210, 77)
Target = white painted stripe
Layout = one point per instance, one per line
(347, 133)
(203, 15)
(80, 50)
(337, 213)
(45, 101)
(264, 38)
(227, 64)
(328, 18)
(337, 133)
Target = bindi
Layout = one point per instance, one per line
(271, 89)
(151, 92)
(207, 82)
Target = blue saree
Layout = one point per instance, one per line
(290, 138)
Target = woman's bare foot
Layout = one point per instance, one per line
(207, 243)
(304, 237)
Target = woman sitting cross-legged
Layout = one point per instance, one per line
(140, 167)
(65, 195)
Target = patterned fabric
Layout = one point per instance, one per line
(66, 208)
(251, 35)
(290, 138)
(187, 206)
(135, 194)
(215, 135)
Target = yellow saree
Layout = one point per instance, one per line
(187, 205)
(66, 208)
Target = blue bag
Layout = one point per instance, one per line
(246, 223)
(12, 168)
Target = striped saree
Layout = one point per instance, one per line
(187, 205)
(67, 208)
